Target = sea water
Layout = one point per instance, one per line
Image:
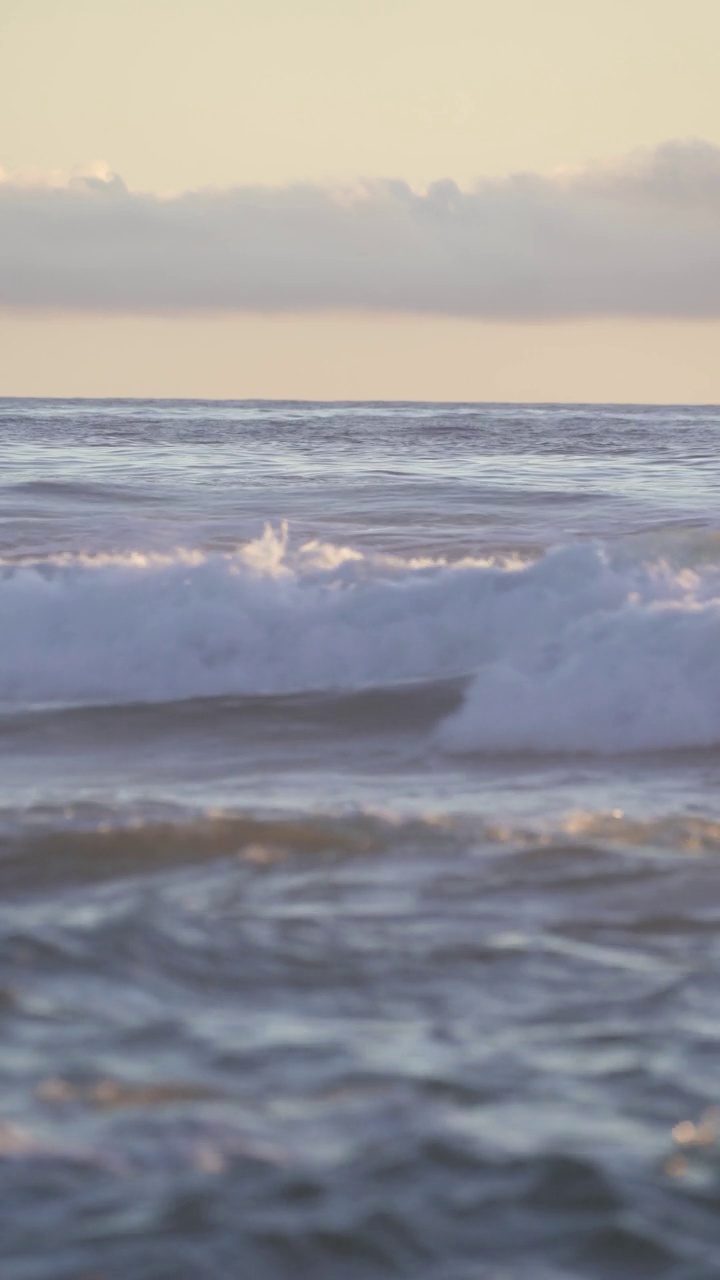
(360, 826)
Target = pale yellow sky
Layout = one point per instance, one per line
(365, 357)
(181, 93)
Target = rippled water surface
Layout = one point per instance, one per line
(359, 841)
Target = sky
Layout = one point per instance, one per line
(444, 199)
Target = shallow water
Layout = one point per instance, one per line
(360, 831)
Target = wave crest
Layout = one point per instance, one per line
(582, 650)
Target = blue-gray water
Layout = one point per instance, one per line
(360, 839)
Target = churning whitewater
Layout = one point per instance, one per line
(359, 837)
(582, 649)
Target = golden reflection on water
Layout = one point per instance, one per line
(692, 1137)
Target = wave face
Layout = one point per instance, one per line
(262, 620)
(581, 650)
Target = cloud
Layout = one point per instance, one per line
(638, 238)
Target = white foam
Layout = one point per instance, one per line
(624, 659)
(579, 651)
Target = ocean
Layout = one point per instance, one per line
(360, 841)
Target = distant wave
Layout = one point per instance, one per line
(582, 650)
(44, 846)
(47, 846)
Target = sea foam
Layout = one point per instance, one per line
(583, 649)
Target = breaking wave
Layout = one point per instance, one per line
(582, 650)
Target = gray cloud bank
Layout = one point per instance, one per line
(640, 238)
